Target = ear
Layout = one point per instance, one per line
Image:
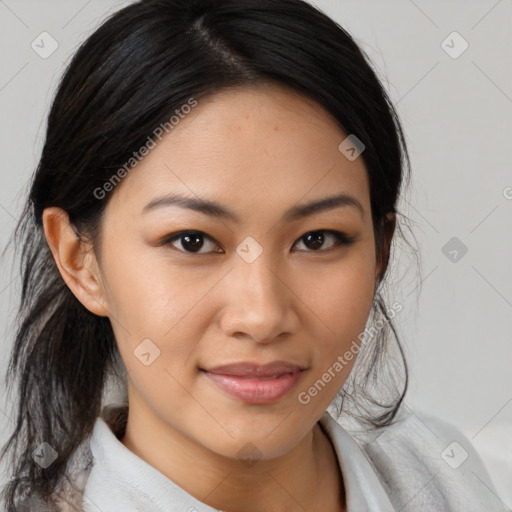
(75, 260)
(389, 224)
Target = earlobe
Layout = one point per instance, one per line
(75, 260)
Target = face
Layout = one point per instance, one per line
(258, 280)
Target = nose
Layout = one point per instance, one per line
(259, 303)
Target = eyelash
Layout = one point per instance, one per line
(341, 239)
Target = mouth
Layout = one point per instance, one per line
(253, 383)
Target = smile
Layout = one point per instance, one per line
(255, 387)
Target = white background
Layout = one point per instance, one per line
(457, 114)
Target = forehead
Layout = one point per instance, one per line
(257, 149)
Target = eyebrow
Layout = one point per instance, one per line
(215, 209)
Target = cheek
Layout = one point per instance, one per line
(340, 301)
(148, 294)
(341, 294)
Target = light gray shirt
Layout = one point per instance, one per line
(417, 464)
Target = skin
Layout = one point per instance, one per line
(257, 151)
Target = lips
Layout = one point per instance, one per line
(254, 383)
(247, 369)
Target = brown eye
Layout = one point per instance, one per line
(191, 241)
(315, 240)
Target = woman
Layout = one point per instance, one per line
(210, 226)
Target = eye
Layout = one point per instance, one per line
(315, 239)
(191, 241)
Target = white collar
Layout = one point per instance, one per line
(120, 480)
(363, 489)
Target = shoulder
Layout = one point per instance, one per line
(427, 464)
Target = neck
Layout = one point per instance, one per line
(302, 479)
